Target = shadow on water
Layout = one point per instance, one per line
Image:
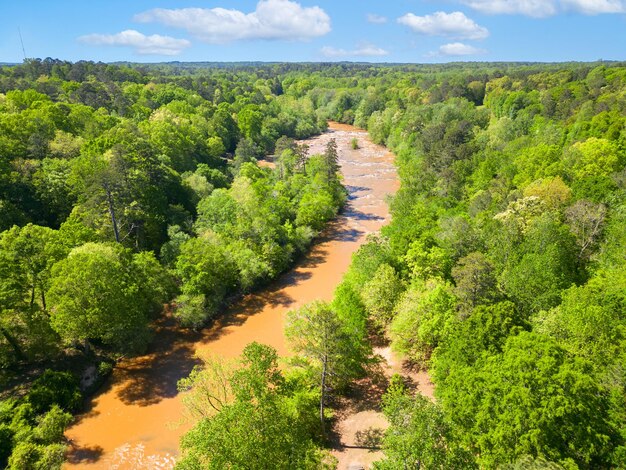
(149, 379)
(91, 413)
(355, 189)
(247, 307)
(355, 214)
(82, 455)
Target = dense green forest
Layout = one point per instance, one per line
(503, 271)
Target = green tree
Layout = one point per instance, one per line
(590, 321)
(419, 435)
(331, 157)
(254, 425)
(423, 315)
(94, 294)
(532, 399)
(26, 258)
(380, 295)
(208, 274)
(316, 332)
(475, 280)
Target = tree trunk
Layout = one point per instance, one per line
(323, 395)
(86, 347)
(13, 343)
(32, 297)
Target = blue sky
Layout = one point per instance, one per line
(314, 30)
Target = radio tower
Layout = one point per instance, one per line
(22, 42)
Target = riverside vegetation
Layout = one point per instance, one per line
(502, 271)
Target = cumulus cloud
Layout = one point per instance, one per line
(459, 49)
(454, 24)
(154, 44)
(376, 19)
(595, 7)
(545, 8)
(272, 19)
(364, 50)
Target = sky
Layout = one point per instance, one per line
(406, 31)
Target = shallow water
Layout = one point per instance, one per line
(135, 422)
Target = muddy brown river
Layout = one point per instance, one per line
(135, 422)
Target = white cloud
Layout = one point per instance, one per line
(364, 50)
(459, 49)
(595, 7)
(272, 19)
(545, 8)
(535, 8)
(154, 44)
(376, 19)
(454, 24)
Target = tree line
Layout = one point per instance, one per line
(123, 190)
(502, 272)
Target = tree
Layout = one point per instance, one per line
(419, 435)
(586, 221)
(593, 157)
(254, 422)
(316, 332)
(475, 280)
(26, 258)
(207, 273)
(423, 315)
(541, 266)
(591, 318)
(315, 209)
(553, 192)
(250, 120)
(34, 250)
(532, 399)
(247, 151)
(331, 157)
(94, 294)
(485, 330)
(380, 295)
(425, 263)
(123, 189)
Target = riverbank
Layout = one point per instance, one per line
(135, 422)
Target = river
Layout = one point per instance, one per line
(135, 422)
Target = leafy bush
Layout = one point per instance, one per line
(54, 388)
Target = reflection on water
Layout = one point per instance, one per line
(135, 422)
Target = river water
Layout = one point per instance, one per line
(136, 421)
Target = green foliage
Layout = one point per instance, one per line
(259, 426)
(423, 315)
(32, 429)
(208, 274)
(545, 264)
(334, 355)
(54, 388)
(532, 399)
(590, 321)
(512, 190)
(419, 436)
(380, 295)
(474, 279)
(314, 209)
(95, 293)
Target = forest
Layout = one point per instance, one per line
(130, 191)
